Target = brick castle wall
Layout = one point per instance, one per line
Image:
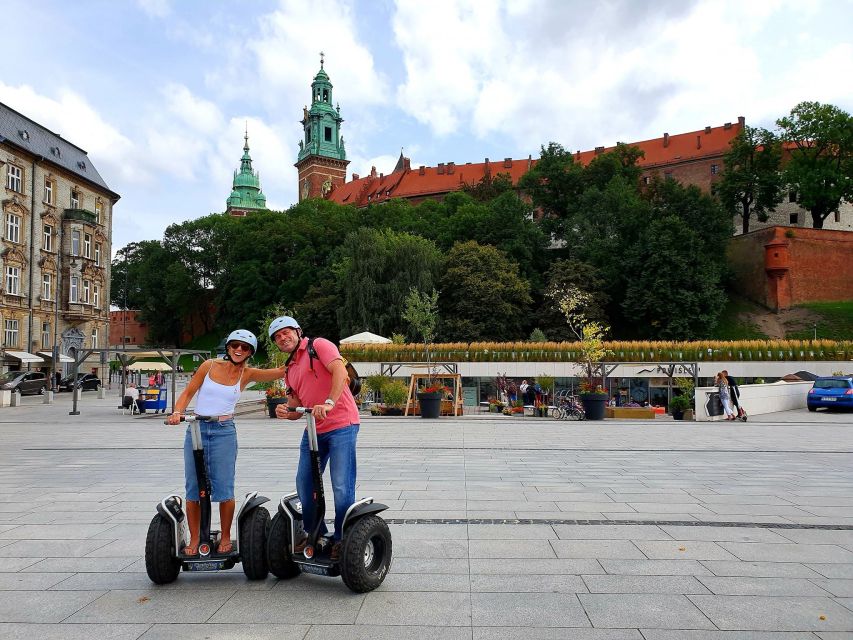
(784, 266)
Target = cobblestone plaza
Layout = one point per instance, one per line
(503, 528)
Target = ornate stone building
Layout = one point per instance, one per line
(246, 194)
(55, 248)
(322, 161)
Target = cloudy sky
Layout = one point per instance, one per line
(159, 91)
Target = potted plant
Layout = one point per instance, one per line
(429, 400)
(687, 390)
(573, 303)
(394, 394)
(275, 396)
(546, 383)
(421, 312)
(678, 405)
(275, 391)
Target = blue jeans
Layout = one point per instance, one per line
(338, 448)
(219, 440)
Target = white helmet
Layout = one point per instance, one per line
(243, 336)
(283, 322)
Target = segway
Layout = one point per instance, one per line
(365, 554)
(168, 535)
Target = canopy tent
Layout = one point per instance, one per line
(149, 366)
(23, 356)
(365, 337)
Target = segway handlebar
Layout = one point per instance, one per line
(185, 418)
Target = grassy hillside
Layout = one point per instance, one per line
(742, 319)
(834, 321)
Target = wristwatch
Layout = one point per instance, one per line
(329, 402)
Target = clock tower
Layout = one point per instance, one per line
(322, 161)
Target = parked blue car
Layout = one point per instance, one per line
(831, 391)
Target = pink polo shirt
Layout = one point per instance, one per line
(313, 387)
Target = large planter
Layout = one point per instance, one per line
(272, 403)
(677, 415)
(430, 404)
(593, 405)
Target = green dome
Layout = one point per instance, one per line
(246, 190)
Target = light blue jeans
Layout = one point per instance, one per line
(337, 448)
(219, 440)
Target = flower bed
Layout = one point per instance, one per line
(621, 351)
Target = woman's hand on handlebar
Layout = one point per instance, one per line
(174, 418)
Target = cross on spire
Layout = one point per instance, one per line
(322, 55)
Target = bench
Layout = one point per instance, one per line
(630, 413)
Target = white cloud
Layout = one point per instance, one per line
(587, 74)
(155, 8)
(71, 116)
(197, 113)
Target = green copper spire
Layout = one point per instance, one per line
(322, 122)
(246, 193)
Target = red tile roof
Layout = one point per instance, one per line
(424, 182)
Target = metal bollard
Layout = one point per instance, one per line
(47, 398)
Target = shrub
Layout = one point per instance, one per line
(395, 393)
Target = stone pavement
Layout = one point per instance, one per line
(504, 528)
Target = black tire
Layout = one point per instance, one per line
(253, 543)
(160, 561)
(811, 408)
(278, 549)
(42, 389)
(366, 554)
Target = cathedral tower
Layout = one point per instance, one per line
(246, 194)
(322, 161)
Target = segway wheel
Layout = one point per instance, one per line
(366, 554)
(161, 562)
(253, 543)
(278, 549)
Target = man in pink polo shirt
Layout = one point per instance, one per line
(320, 383)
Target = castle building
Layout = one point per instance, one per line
(692, 158)
(55, 248)
(322, 160)
(246, 194)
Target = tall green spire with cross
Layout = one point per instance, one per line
(246, 192)
(321, 123)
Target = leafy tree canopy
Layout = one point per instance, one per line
(820, 140)
(751, 180)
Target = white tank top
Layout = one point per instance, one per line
(216, 399)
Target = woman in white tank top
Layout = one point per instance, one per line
(218, 384)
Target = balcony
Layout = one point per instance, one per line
(76, 311)
(81, 215)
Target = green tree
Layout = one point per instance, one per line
(820, 140)
(483, 296)
(420, 310)
(146, 277)
(751, 180)
(565, 275)
(676, 263)
(489, 187)
(506, 222)
(377, 269)
(553, 185)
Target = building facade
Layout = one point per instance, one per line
(55, 248)
(693, 158)
(246, 194)
(322, 160)
(127, 328)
